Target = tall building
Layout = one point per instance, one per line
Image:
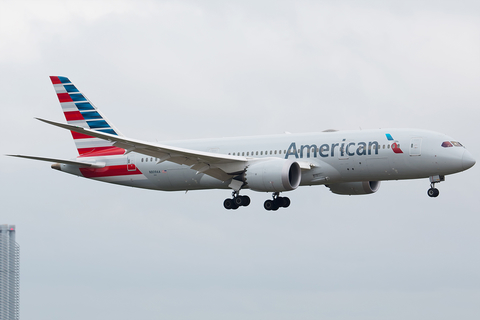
(9, 274)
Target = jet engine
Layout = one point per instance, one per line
(354, 188)
(273, 175)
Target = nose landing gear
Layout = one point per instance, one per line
(277, 202)
(433, 192)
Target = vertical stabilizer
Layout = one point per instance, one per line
(80, 111)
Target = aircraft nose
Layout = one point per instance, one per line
(467, 160)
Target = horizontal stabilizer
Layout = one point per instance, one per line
(71, 162)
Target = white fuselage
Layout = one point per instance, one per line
(333, 157)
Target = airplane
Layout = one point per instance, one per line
(347, 162)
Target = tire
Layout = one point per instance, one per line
(278, 203)
(238, 201)
(245, 201)
(433, 192)
(286, 202)
(228, 204)
(268, 205)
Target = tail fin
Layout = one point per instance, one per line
(80, 111)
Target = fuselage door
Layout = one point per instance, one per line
(416, 146)
(131, 163)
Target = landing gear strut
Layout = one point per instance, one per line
(236, 201)
(277, 202)
(433, 192)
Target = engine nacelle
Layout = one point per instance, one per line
(354, 188)
(273, 175)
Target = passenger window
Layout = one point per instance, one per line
(248, 153)
(243, 153)
(270, 151)
(275, 151)
(142, 159)
(257, 153)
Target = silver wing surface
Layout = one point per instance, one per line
(219, 166)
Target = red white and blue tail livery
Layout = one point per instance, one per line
(347, 162)
(81, 112)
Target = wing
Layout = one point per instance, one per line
(219, 166)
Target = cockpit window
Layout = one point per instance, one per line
(457, 144)
(448, 144)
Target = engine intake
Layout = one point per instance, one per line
(354, 188)
(273, 175)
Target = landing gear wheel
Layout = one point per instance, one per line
(269, 205)
(277, 202)
(228, 204)
(245, 201)
(433, 192)
(238, 201)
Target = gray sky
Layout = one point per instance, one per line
(179, 69)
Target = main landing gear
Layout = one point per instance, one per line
(277, 202)
(236, 201)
